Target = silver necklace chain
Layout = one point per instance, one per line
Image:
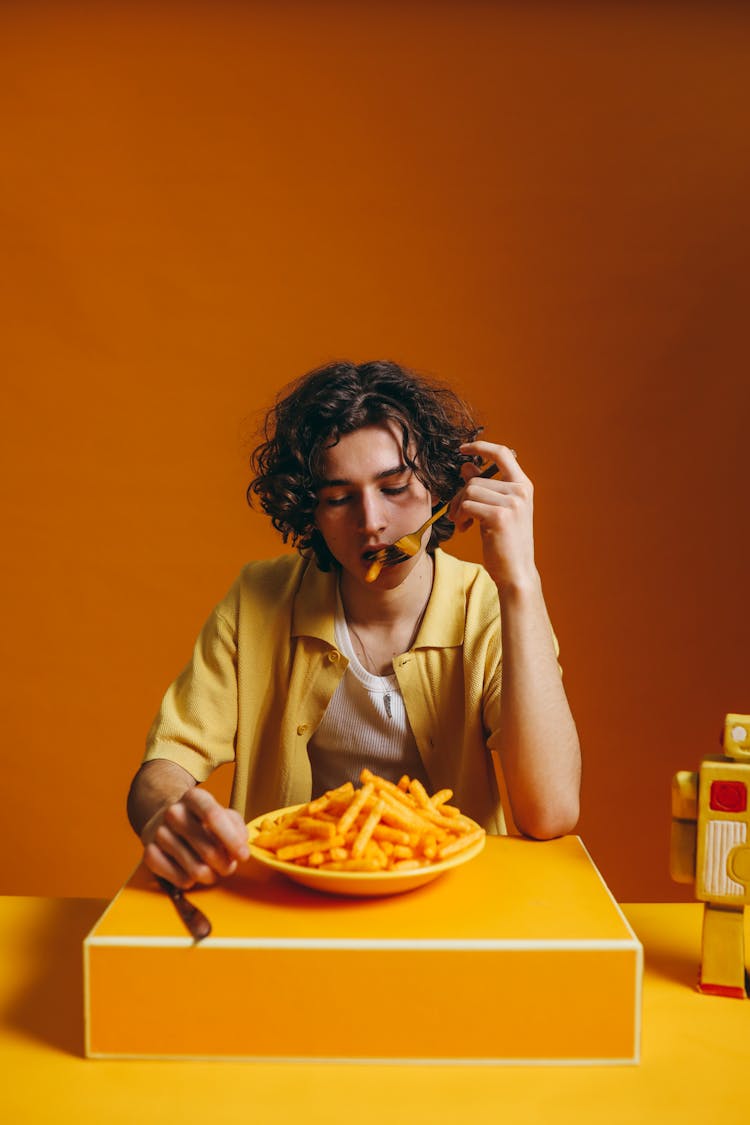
(368, 658)
(371, 663)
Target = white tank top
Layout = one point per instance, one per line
(365, 725)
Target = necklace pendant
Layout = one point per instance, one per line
(387, 704)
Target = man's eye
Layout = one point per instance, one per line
(395, 491)
(336, 501)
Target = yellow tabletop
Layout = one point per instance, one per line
(695, 1052)
(516, 889)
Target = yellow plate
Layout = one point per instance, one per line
(360, 883)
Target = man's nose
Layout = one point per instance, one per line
(371, 514)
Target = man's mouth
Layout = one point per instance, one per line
(371, 551)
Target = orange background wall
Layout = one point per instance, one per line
(545, 204)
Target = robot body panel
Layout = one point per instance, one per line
(711, 845)
(723, 819)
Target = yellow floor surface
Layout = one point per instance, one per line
(694, 1066)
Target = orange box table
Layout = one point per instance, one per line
(520, 956)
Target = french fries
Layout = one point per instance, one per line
(380, 827)
(373, 571)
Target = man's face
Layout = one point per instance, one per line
(368, 500)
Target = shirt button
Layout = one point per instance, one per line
(333, 656)
(302, 728)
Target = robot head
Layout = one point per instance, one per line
(736, 738)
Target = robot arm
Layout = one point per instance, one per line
(684, 826)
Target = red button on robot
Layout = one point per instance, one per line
(728, 796)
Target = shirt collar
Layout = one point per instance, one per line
(443, 622)
(315, 604)
(442, 625)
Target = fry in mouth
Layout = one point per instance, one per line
(373, 570)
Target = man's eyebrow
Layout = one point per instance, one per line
(341, 482)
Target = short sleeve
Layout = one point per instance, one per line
(196, 726)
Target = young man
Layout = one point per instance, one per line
(306, 671)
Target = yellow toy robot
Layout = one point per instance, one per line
(710, 845)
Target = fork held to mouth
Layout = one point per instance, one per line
(408, 545)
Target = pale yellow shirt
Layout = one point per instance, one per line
(266, 665)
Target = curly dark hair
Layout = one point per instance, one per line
(318, 409)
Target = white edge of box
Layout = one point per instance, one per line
(87, 941)
(638, 946)
(468, 945)
(352, 1060)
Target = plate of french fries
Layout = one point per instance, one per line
(380, 839)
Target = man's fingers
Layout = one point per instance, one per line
(502, 455)
(199, 838)
(179, 851)
(459, 518)
(225, 825)
(479, 496)
(194, 836)
(161, 864)
(194, 840)
(500, 493)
